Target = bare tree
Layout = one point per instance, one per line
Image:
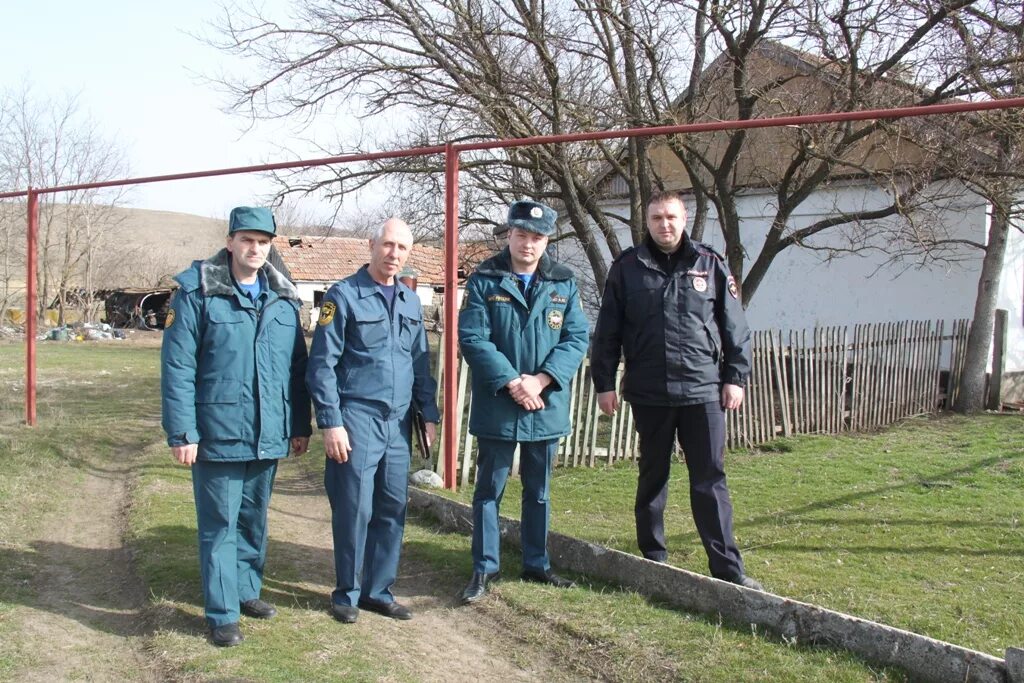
(986, 43)
(477, 70)
(48, 143)
(470, 71)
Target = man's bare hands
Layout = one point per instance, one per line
(185, 455)
(608, 402)
(732, 396)
(431, 428)
(336, 444)
(526, 390)
(300, 444)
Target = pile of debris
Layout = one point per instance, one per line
(84, 332)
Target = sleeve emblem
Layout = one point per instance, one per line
(733, 290)
(555, 319)
(169, 320)
(327, 312)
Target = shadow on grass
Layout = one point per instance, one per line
(896, 486)
(80, 584)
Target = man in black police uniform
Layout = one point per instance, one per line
(672, 309)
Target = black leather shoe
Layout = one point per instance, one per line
(227, 635)
(388, 609)
(257, 609)
(346, 614)
(549, 577)
(477, 587)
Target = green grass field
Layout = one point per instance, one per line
(918, 527)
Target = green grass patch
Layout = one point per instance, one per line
(917, 527)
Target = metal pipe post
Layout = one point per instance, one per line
(30, 307)
(451, 284)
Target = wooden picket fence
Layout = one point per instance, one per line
(822, 381)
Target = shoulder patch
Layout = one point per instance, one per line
(327, 312)
(733, 289)
(705, 248)
(169, 320)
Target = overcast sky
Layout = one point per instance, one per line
(133, 66)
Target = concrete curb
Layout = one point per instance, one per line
(924, 658)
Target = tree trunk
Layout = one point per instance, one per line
(971, 398)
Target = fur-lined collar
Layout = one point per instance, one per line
(500, 265)
(215, 277)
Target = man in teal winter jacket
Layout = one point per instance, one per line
(523, 333)
(233, 362)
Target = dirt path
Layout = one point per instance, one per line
(86, 619)
(444, 641)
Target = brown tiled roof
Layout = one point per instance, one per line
(327, 259)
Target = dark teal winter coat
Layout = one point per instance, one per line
(233, 372)
(502, 336)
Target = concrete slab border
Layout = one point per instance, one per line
(923, 658)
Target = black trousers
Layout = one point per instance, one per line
(700, 430)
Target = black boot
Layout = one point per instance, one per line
(477, 587)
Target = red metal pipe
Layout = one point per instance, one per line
(30, 307)
(896, 113)
(236, 170)
(451, 284)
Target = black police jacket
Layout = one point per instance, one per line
(682, 333)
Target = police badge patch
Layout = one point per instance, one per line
(169, 320)
(700, 284)
(733, 290)
(327, 313)
(555, 319)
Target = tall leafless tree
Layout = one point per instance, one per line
(986, 42)
(420, 71)
(47, 143)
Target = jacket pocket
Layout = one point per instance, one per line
(411, 326)
(714, 341)
(218, 414)
(370, 330)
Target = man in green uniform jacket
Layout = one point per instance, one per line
(233, 363)
(524, 334)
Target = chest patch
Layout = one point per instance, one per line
(556, 299)
(500, 298)
(327, 312)
(700, 284)
(555, 319)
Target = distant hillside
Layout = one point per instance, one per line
(162, 243)
(131, 247)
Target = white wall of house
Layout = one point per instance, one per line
(1011, 298)
(804, 288)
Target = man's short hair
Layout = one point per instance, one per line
(661, 196)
